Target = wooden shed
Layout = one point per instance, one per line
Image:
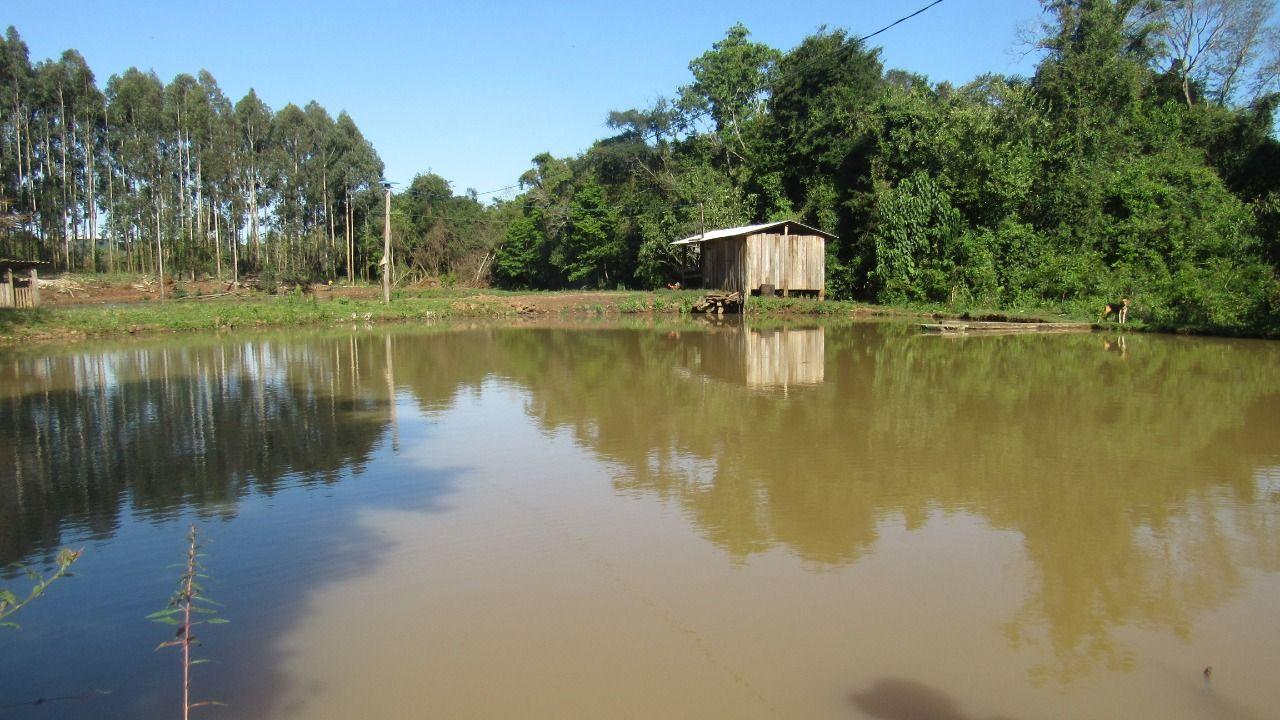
(16, 290)
(784, 257)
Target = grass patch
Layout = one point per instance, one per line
(227, 313)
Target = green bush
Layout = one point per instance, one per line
(915, 232)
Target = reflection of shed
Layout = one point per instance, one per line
(18, 291)
(784, 256)
(785, 357)
(779, 357)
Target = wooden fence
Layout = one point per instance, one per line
(16, 297)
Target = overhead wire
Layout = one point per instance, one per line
(806, 65)
(656, 134)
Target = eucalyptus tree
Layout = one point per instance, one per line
(322, 143)
(184, 110)
(290, 138)
(135, 115)
(253, 124)
(356, 170)
(68, 104)
(217, 155)
(17, 82)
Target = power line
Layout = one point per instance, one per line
(804, 66)
(898, 21)
(655, 134)
(501, 189)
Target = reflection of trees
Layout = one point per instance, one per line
(176, 426)
(1131, 478)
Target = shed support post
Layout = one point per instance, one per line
(35, 288)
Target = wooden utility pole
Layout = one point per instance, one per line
(386, 245)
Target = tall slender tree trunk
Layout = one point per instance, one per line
(253, 218)
(235, 255)
(30, 181)
(189, 222)
(91, 172)
(24, 153)
(113, 222)
(330, 262)
(159, 250)
(351, 243)
(217, 240)
(66, 207)
(204, 235)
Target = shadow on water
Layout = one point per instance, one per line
(899, 699)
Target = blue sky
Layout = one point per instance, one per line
(472, 91)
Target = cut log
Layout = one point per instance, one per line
(719, 304)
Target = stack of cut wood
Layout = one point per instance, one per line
(716, 304)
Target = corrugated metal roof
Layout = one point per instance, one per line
(751, 230)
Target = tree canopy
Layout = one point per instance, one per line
(1139, 159)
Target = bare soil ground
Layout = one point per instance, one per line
(80, 290)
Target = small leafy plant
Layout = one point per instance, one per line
(187, 609)
(9, 602)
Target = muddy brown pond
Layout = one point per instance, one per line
(651, 521)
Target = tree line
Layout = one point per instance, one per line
(141, 175)
(1138, 160)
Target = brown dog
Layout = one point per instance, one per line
(1120, 310)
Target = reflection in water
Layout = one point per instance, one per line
(1130, 514)
(778, 357)
(160, 429)
(1139, 483)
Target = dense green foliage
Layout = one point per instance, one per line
(1113, 171)
(1139, 160)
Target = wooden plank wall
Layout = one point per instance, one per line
(724, 265)
(19, 297)
(788, 262)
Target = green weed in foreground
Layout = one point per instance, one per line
(10, 603)
(185, 609)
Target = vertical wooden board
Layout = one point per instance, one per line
(796, 262)
(820, 262)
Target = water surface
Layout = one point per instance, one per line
(843, 521)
